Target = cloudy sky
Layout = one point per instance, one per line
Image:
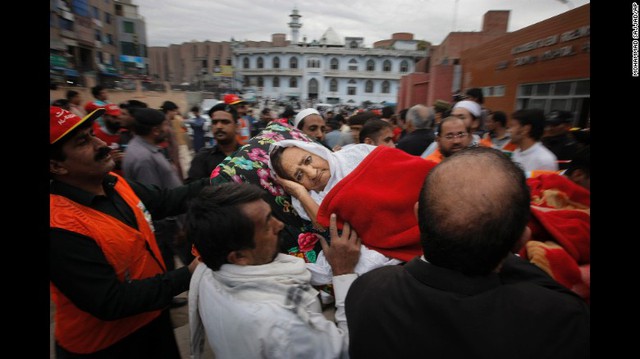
(178, 21)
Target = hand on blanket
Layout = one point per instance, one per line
(344, 252)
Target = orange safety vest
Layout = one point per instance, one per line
(124, 248)
(243, 133)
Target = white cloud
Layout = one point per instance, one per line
(178, 21)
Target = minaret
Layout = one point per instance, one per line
(295, 25)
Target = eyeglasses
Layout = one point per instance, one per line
(451, 136)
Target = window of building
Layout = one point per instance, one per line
(293, 64)
(353, 65)
(228, 62)
(351, 89)
(333, 85)
(386, 66)
(404, 66)
(260, 81)
(107, 18)
(129, 27)
(353, 44)
(572, 96)
(260, 63)
(96, 12)
(109, 39)
(98, 35)
(276, 81)
(293, 82)
(334, 64)
(245, 63)
(216, 62)
(313, 63)
(66, 24)
(80, 7)
(276, 63)
(371, 65)
(247, 82)
(385, 86)
(368, 86)
(128, 48)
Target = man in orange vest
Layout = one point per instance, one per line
(108, 281)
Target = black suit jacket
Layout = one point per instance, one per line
(421, 310)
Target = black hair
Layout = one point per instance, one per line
(216, 224)
(276, 162)
(476, 93)
(71, 94)
(533, 117)
(581, 160)
(500, 116)
(372, 127)
(226, 108)
(95, 90)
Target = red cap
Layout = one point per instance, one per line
(61, 122)
(112, 109)
(232, 99)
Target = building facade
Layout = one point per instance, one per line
(545, 65)
(88, 37)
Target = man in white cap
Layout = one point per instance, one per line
(311, 123)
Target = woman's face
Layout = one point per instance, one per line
(304, 167)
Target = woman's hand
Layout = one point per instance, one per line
(293, 188)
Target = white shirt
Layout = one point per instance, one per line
(248, 321)
(536, 157)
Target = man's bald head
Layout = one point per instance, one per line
(473, 209)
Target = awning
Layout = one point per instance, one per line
(108, 70)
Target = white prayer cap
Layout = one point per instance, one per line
(302, 114)
(470, 106)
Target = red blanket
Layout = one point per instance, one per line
(377, 200)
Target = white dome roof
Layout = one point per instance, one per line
(330, 37)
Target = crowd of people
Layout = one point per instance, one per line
(450, 230)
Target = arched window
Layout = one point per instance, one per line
(246, 81)
(293, 82)
(245, 63)
(371, 65)
(276, 81)
(386, 66)
(353, 44)
(334, 64)
(293, 63)
(351, 89)
(333, 85)
(260, 63)
(368, 86)
(385, 86)
(313, 86)
(260, 81)
(276, 62)
(404, 66)
(353, 65)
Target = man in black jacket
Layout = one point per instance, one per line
(468, 296)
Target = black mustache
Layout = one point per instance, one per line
(219, 131)
(103, 152)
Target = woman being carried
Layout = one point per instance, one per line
(372, 188)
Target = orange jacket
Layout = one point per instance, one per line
(124, 248)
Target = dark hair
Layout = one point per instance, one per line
(168, 106)
(131, 104)
(276, 162)
(499, 116)
(361, 118)
(95, 90)
(581, 160)
(403, 114)
(226, 108)
(145, 119)
(216, 224)
(467, 224)
(62, 103)
(476, 93)
(288, 112)
(265, 111)
(533, 117)
(71, 94)
(372, 127)
(387, 111)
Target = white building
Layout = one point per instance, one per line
(330, 70)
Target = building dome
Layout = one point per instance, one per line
(331, 38)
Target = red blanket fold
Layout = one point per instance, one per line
(377, 200)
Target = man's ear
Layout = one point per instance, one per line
(524, 238)
(415, 210)
(368, 141)
(239, 257)
(57, 168)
